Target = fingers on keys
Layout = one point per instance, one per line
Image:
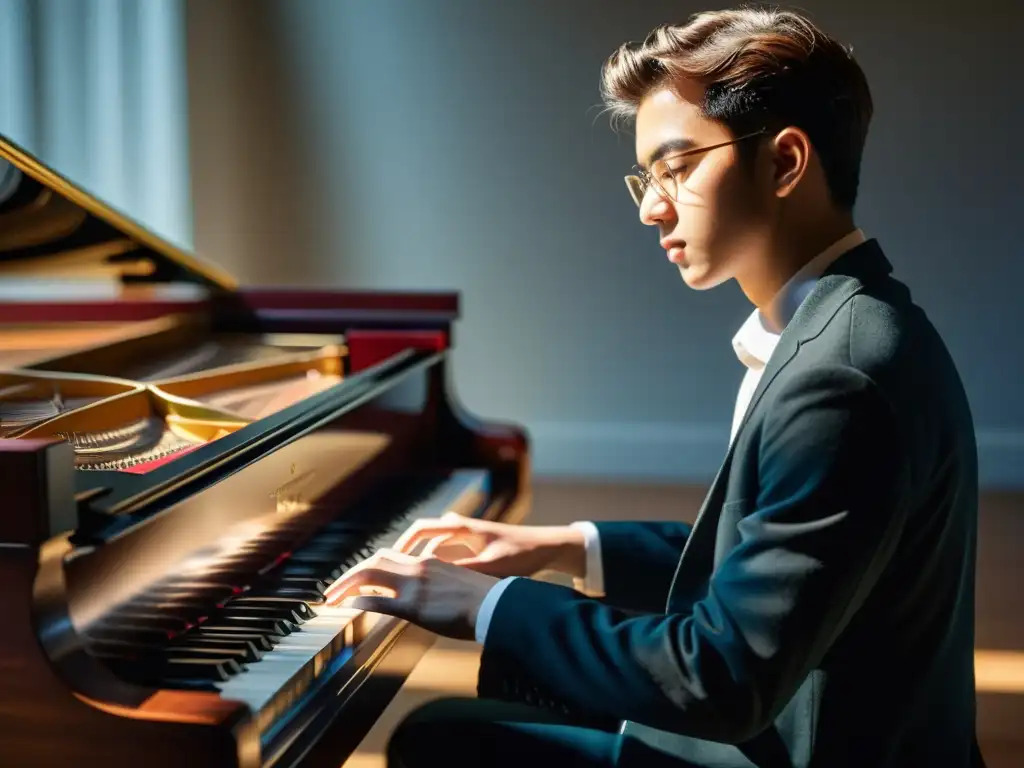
(449, 525)
(386, 569)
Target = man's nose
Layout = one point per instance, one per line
(655, 209)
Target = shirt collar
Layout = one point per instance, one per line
(757, 338)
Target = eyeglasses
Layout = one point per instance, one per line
(665, 173)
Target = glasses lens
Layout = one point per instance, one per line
(636, 189)
(663, 179)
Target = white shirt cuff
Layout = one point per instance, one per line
(592, 583)
(490, 602)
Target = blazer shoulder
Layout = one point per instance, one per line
(881, 332)
(884, 336)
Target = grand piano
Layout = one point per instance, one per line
(185, 465)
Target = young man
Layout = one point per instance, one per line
(821, 610)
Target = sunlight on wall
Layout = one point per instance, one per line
(97, 91)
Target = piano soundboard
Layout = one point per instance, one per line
(188, 465)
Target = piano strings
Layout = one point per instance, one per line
(124, 447)
(133, 446)
(261, 400)
(143, 443)
(19, 411)
(207, 356)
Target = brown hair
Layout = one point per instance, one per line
(762, 69)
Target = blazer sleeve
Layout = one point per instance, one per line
(638, 561)
(829, 511)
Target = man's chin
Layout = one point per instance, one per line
(698, 279)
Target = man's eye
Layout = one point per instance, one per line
(676, 170)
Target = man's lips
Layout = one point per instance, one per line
(675, 249)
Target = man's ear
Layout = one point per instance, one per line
(791, 155)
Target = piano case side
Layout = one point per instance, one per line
(59, 707)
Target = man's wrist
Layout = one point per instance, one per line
(569, 551)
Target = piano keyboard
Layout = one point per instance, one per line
(267, 643)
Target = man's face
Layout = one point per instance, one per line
(721, 214)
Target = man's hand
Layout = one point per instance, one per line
(497, 549)
(438, 596)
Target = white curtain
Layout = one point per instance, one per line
(96, 89)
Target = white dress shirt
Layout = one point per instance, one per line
(754, 344)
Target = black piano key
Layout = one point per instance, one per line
(327, 568)
(154, 672)
(302, 582)
(110, 647)
(300, 608)
(323, 563)
(260, 548)
(261, 642)
(324, 571)
(262, 624)
(270, 629)
(350, 561)
(337, 538)
(155, 604)
(244, 564)
(283, 613)
(316, 555)
(233, 573)
(197, 668)
(173, 593)
(205, 648)
(155, 621)
(192, 639)
(196, 650)
(191, 588)
(341, 540)
(309, 596)
(119, 646)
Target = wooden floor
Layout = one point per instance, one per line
(450, 667)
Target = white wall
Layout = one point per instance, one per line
(457, 144)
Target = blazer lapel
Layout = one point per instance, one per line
(844, 278)
(706, 524)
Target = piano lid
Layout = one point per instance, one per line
(52, 232)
